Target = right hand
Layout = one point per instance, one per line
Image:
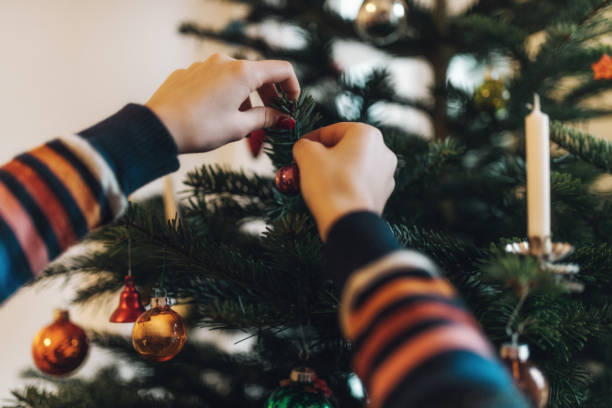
(344, 167)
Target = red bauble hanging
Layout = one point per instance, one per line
(61, 347)
(255, 141)
(527, 377)
(288, 180)
(130, 306)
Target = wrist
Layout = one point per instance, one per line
(136, 145)
(332, 213)
(170, 124)
(355, 240)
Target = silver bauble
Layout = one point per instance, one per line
(382, 21)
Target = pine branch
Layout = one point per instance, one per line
(304, 112)
(595, 151)
(215, 179)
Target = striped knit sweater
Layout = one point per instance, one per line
(50, 197)
(415, 344)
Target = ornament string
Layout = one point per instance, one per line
(129, 253)
(514, 316)
(162, 278)
(304, 353)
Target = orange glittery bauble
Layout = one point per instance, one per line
(61, 347)
(527, 377)
(603, 68)
(159, 333)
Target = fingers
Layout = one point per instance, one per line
(304, 150)
(332, 135)
(272, 71)
(246, 105)
(268, 93)
(329, 135)
(261, 117)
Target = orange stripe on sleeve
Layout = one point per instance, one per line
(72, 180)
(403, 319)
(46, 200)
(18, 219)
(392, 291)
(419, 349)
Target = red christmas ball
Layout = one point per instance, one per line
(288, 180)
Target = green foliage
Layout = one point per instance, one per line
(588, 148)
(303, 111)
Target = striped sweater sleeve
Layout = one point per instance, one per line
(414, 342)
(51, 196)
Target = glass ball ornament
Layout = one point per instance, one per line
(302, 390)
(287, 180)
(61, 347)
(492, 96)
(159, 334)
(527, 377)
(382, 21)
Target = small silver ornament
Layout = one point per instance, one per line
(382, 21)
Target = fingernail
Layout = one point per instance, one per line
(286, 122)
(259, 133)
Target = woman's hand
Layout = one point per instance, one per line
(344, 167)
(207, 105)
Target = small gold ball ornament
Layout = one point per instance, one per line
(159, 334)
(492, 96)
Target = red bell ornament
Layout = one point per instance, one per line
(130, 305)
(60, 348)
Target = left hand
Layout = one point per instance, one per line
(207, 105)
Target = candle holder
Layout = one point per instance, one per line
(549, 252)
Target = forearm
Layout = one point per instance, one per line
(414, 342)
(53, 195)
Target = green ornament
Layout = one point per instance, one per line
(302, 390)
(492, 96)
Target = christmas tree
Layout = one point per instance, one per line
(460, 198)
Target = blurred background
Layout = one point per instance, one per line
(67, 64)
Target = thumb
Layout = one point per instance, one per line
(261, 117)
(307, 151)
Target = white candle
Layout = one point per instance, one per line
(170, 206)
(538, 172)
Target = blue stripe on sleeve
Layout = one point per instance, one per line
(459, 379)
(14, 266)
